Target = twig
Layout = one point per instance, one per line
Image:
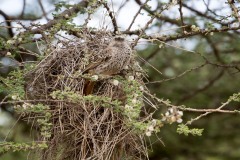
(205, 15)
(113, 18)
(138, 12)
(224, 65)
(190, 34)
(178, 76)
(181, 14)
(149, 64)
(219, 109)
(11, 27)
(214, 48)
(208, 9)
(67, 13)
(122, 5)
(234, 10)
(183, 108)
(43, 10)
(142, 32)
(160, 17)
(7, 18)
(23, 9)
(207, 110)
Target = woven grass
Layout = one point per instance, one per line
(95, 126)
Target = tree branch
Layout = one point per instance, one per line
(65, 14)
(162, 17)
(138, 12)
(234, 10)
(181, 14)
(43, 10)
(8, 22)
(23, 9)
(113, 18)
(166, 38)
(205, 15)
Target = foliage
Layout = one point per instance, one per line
(183, 129)
(15, 147)
(13, 84)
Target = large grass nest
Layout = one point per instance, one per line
(94, 126)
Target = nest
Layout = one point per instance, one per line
(89, 127)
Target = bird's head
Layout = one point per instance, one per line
(118, 41)
(119, 38)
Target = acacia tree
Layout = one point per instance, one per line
(191, 64)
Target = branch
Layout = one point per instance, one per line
(166, 38)
(138, 12)
(67, 13)
(219, 109)
(143, 30)
(204, 111)
(234, 10)
(208, 9)
(214, 48)
(8, 22)
(122, 5)
(156, 14)
(178, 76)
(160, 17)
(114, 22)
(43, 10)
(23, 9)
(205, 15)
(207, 110)
(181, 14)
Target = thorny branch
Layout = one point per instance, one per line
(64, 15)
(209, 111)
(204, 111)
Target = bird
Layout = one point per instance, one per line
(112, 60)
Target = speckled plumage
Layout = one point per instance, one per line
(113, 59)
